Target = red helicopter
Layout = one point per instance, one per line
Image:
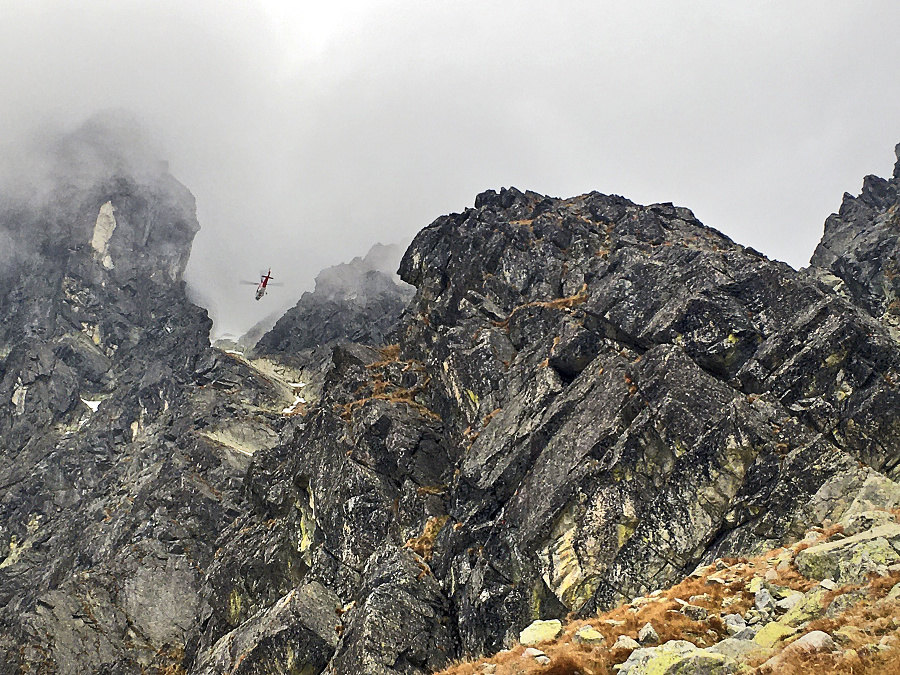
(265, 280)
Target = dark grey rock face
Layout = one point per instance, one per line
(621, 404)
(860, 247)
(358, 301)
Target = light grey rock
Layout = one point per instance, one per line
(812, 643)
(747, 633)
(788, 603)
(589, 635)
(647, 635)
(695, 613)
(854, 523)
(894, 593)
(754, 616)
(734, 623)
(850, 560)
(541, 631)
(763, 600)
(625, 642)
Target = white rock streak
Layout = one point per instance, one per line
(93, 405)
(103, 231)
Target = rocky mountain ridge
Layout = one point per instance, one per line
(560, 436)
(860, 247)
(584, 400)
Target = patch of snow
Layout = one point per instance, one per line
(298, 400)
(93, 405)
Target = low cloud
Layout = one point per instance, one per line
(308, 133)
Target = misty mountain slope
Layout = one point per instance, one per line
(359, 301)
(589, 397)
(110, 495)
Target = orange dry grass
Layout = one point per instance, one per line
(490, 416)
(176, 656)
(404, 396)
(380, 388)
(870, 622)
(390, 352)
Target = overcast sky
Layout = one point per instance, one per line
(310, 131)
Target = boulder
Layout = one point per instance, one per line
(677, 656)
(737, 649)
(894, 593)
(747, 633)
(589, 635)
(851, 560)
(806, 608)
(537, 655)
(541, 631)
(734, 623)
(648, 635)
(763, 600)
(812, 643)
(695, 613)
(860, 521)
(788, 603)
(625, 642)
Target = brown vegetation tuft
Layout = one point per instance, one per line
(424, 543)
(490, 416)
(390, 352)
(557, 303)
